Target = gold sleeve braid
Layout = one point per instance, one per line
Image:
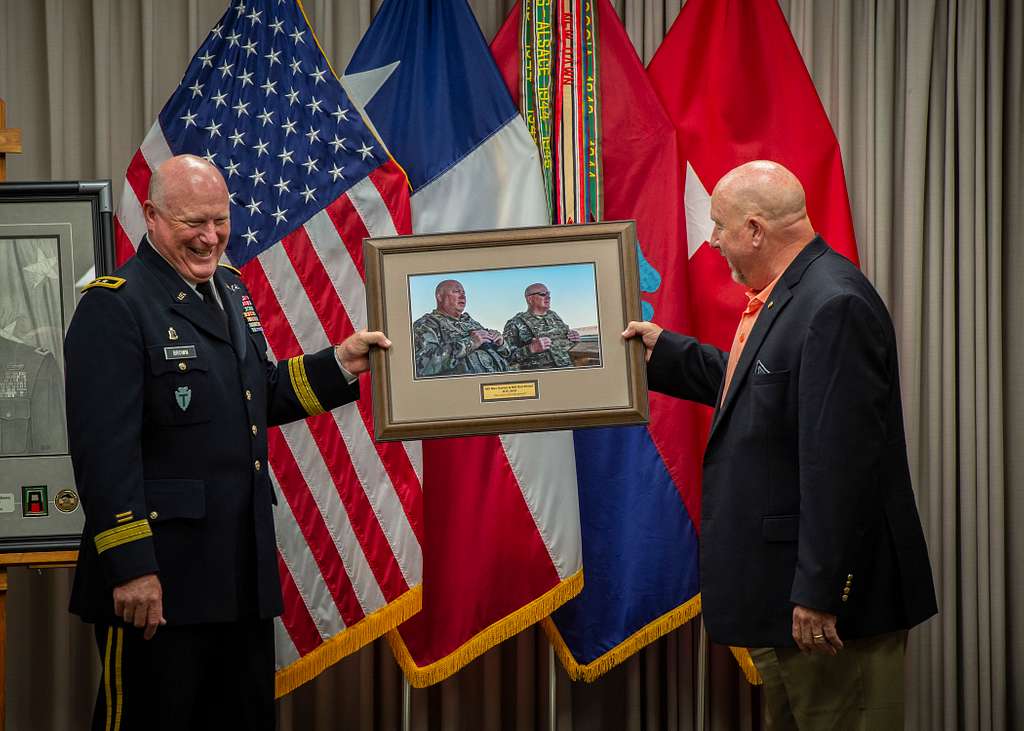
(122, 534)
(302, 387)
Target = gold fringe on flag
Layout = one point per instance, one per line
(348, 641)
(503, 629)
(747, 665)
(644, 636)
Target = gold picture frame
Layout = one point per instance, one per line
(425, 385)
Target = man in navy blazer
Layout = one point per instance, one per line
(169, 396)
(812, 551)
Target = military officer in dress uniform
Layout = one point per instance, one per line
(31, 401)
(448, 342)
(169, 396)
(538, 337)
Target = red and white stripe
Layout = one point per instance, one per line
(349, 526)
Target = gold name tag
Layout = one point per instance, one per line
(508, 391)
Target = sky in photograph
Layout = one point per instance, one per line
(493, 296)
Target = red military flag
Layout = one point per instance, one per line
(733, 82)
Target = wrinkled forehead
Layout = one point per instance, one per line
(723, 205)
(197, 195)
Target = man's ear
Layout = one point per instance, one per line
(149, 213)
(757, 231)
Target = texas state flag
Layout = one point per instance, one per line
(502, 545)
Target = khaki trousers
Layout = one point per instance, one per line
(860, 689)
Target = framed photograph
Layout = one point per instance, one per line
(54, 238)
(504, 331)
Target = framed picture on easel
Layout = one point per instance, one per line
(54, 238)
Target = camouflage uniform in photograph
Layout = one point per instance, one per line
(444, 347)
(525, 327)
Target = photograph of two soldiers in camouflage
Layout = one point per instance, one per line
(498, 320)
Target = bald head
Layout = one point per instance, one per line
(451, 297)
(761, 223)
(764, 188)
(188, 215)
(187, 175)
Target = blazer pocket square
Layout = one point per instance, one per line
(771, 377)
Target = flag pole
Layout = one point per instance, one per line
(702, 675)
(406, 704)
(552, 691)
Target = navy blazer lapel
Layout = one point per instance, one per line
(185, 301)
(779, 298)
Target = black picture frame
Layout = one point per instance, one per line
(39, 505)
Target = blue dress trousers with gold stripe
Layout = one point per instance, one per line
(167, 419)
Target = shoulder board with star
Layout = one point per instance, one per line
(229, 268)
(107, 282)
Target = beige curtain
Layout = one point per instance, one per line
(926, 100)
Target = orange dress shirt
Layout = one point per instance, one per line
(755, 301)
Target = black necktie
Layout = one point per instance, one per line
(210, 300)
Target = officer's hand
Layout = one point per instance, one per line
(647, 331)
(573, 335)
(497, 338)
(354, 351)
(140, 603)
(815, 631)
(539, 345)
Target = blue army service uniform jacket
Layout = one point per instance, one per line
(806, 491)
(167, 420)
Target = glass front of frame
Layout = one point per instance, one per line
(505, 331)
(31, 334)
(505, 320)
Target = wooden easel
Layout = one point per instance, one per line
(10, 141)
(32, 560)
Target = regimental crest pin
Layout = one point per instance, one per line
(172, 334)
(183, 395)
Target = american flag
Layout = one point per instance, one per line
(308, 182)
